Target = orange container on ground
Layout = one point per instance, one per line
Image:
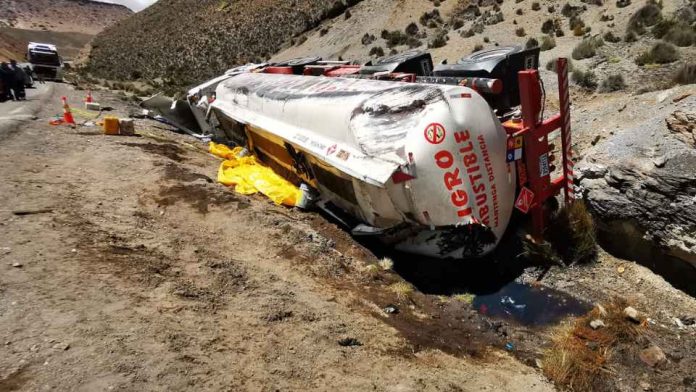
(111, 126)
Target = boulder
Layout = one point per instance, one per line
(640, 184)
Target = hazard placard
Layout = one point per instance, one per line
(525, 200)
(544, 169)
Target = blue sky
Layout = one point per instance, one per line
(135, 5)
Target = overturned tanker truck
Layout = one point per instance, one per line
(432, 159)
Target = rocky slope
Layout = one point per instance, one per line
(82, 16)
(213, 36)
(69, 24)
(185, 43)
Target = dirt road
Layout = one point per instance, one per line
(129, 268)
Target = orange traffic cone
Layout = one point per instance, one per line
(89, 98)
(67, 116)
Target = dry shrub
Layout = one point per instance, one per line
(662, 27)
(531, 43)
(553, 63)
(681, 35)
(585, 79)
(403, 290)
(412, 29)
(579, 31)
(377, 51)
(394, 38)
(630, 37)
(540, 253)
(648, 15)
(548, 27)
(610, 37)
(572, 232)
(439, 40)
(579, 357)
(686, 74)
(587, 48)
(611, 83)
(660, 53)
(547, 43)
(570, 363)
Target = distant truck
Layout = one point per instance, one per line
(45, 61)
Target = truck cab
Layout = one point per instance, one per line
(45, 61)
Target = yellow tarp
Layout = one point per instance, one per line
(248, 176)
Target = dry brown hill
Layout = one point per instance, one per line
(69, 24)
(186, 43)
(180, 44)
(82, 16)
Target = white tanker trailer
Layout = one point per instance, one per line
(425, 166)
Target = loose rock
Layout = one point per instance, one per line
(653, 356)
(632, 314)
(391, 309)
(596, 324)
(61, 346)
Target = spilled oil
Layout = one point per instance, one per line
(493, 280)
(528, 305)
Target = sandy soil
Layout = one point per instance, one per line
(146, 275)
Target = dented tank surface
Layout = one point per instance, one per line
(380, 123)
(428, 158)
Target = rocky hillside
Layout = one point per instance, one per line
(644, 42)
(10, 47)
(185, 43)
(197, 42)
(69, 24)
(82, 16)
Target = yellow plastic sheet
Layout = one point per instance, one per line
(248, 176)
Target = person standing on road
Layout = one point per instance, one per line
(20, 78)
(6, 80)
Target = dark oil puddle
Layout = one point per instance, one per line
(493, 280)
(529, 306)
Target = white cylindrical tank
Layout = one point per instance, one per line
(427, 161)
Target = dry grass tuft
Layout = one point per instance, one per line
(386, 264)
(587, 48)
(371, 270)
(571, 363)
(464, 297)
(403, 290)
(579, 358)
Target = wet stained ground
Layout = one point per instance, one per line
(528, 305)
(493, 282)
